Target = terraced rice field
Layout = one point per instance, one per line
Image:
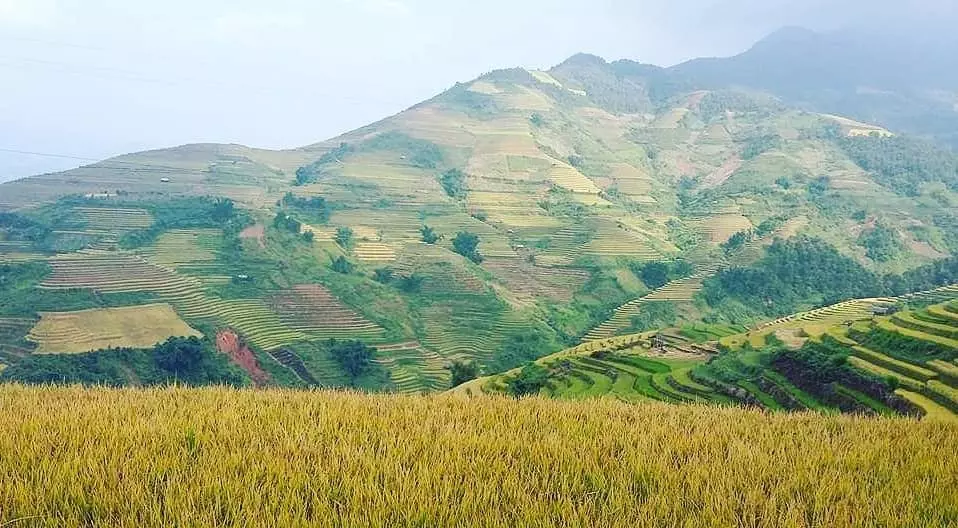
(192, 250)
(625, 368)
(257, 322)
(109, 223)
(413, 369)
(536, 282)
(629, 377)
(13, 331)
(617, 242)
(682, 290)
(374, 252)
(90, 330)
(931, 382)
(564, 246)
(459, 330)
(719, 228)
(314, 310)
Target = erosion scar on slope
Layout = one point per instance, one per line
(229, 343)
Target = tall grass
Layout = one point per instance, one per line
(223, 457)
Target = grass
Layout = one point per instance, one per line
(89, 330)
(283, 458)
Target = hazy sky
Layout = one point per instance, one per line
(94, 78)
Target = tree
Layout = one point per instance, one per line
(530, 380)
(287, 223)
(341, 265)
(881, 243)
(429, 235)
(411, 283)
(308, 236)
(179, 356)
(463, 371)
(383, 275)
(737, 241)
(453, 181)
(222, 209)
(344, 237)
(354, 357)
(818, 187)
(655, 274)
(465, 244)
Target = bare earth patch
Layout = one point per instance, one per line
(257, 232)
(228, 342)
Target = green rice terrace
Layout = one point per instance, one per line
(844, 357)
(506, 219)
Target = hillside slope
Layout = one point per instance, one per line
(572, 180)
(837, 358)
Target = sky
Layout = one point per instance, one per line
(88, 79)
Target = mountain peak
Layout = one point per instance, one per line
(583, 59)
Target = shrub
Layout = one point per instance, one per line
(466, 244)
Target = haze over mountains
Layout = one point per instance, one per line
(902, 80)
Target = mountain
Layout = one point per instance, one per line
(903, 81)
(505, 219)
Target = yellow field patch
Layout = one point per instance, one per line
(544, 78)
(89, 330)
(721, 227)
(671, 119)
(484, 87)
(439, 125)
(526, 99)
(374, 252)
(567, 177)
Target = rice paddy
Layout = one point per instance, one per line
(89, 330)
(245, 458)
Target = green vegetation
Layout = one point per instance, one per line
(850, 364)
(314, 171)
(466, 244)
(654, 315)
(185, 213)
(419, 153)
(344, 237)
(315, 207)
(901, 163)
(355, 358)
(453, 181)
(189, 361)
(658, 273)
(429, 235)
(463, 371)
(881, 242)
(792, 274)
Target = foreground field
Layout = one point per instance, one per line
(216, 457)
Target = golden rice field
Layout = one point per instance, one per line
(89, 330)
(221, 457)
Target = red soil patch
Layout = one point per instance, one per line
(229, 343)
(257, 232)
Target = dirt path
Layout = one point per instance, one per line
(229, 343)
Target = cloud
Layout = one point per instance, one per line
(28, 14)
